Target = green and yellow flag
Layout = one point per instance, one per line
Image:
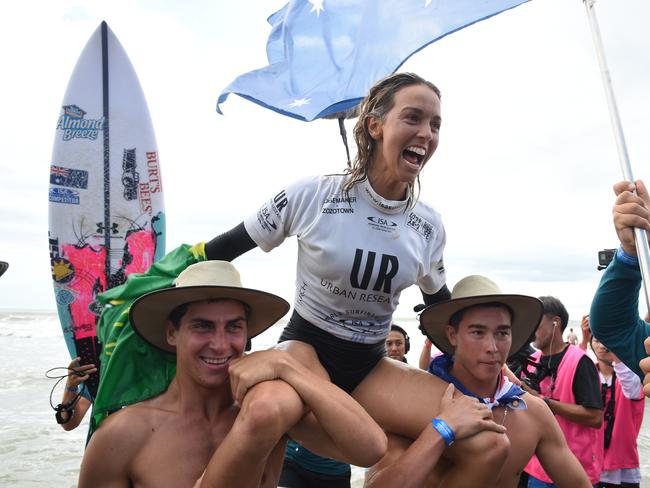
(130, 369)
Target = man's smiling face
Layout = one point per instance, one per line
(210, 335)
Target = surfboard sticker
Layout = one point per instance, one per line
(106, 212)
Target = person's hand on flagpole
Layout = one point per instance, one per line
(630, 211)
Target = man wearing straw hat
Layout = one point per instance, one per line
(218, 424)
(477, 330)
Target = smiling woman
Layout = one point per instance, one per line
(416, 111)
(363, 237)
(367, 225)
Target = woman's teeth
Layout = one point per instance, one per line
(414, 154)
(417, 150)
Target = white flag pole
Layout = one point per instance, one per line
(643, 251)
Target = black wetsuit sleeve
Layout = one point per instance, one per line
(230, 245)
(440, 296)
(586, 384)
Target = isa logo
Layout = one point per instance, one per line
(73, 178)
(63, 195)
(74, 125)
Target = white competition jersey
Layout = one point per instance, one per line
(355, 254)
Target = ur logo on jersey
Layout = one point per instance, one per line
(388, 267)
(279, 202)
(265, 216)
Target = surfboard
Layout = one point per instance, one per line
(106, 212)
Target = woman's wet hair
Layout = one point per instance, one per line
(378, 102)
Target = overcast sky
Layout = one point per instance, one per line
(522, 176)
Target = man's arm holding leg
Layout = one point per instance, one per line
(276, 390)
(339, 427)
(406, 466)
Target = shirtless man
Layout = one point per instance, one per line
(204, 430)
(480, 326)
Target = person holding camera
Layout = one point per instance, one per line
(614, 313)
(567, 380)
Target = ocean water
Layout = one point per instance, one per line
(36, 452)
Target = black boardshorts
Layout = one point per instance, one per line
(347, 363)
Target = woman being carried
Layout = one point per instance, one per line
(363, 237)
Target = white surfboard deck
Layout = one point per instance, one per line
(106, 213)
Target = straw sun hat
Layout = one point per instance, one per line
(478, 290)
(207, 280)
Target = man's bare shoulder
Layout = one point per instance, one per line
(538, 409)
(132, 425)
(108, 460)
(533, 421)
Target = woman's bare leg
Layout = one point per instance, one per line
(269, 409)
(337, 426)
(403, 400)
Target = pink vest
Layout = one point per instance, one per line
(628, 414)
(586, 443)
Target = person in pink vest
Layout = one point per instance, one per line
(567, 380)
(623, 400)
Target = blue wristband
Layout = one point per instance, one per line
(444, 430)
(72, 389)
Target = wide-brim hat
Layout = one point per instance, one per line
(207, 280)
(478, 290)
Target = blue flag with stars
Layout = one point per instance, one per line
(324, 55)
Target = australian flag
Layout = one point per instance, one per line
(72, 178)
(324, 55)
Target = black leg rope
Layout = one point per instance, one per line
(68, 408)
